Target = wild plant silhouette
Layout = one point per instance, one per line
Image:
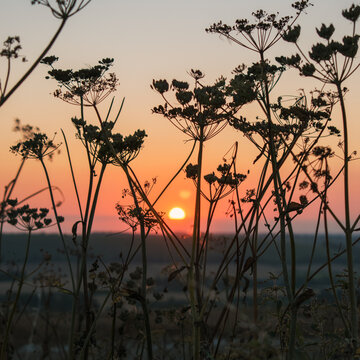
(209, 301)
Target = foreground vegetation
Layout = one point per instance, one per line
(115, 308)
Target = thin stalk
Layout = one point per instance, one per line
(116, 284)
(7, 193)
(58, 224)
(7, 76)
(71, 335)
(176, 174)
(206, 240)
(281, 204)
(94, 203)
(84, 244)
(355, 223)
(73, 176)
(333, 258)
(3, 355)
(138, 188)
(348, 232)
(164, 226)
(86, 235)
(254, 246)
(5, 97)
(254, 271)
(194, 250)
(314, 245)
(92, 328)
(331, 278)
(144, 266)
(113, 329)
(236, 285)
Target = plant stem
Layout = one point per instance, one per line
(331, 278)
(21, 282)
(4, 98)
(192, 268)
(73, 176)
(281, 206)
(67, 259)
(58, 224)
(7, 193)
(144, 265)
(348, 230)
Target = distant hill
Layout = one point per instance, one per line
(109, 247)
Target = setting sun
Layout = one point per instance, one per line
(177, 213)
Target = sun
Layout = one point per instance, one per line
(177, 213)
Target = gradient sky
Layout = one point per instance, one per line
(149, 40)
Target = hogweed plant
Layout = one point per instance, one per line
(27, 219)
(38, 147)
(211, 320)
(333, 63)
(201, 114)
(283, 127)
(87, 88)
(60, 9)
(27, 132)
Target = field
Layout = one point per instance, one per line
(45, 308)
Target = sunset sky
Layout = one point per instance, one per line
(158, 39)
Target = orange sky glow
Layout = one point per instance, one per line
(159, 39)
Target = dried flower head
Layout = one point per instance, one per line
(89, 86)
(262, 33)
(36, 147)
(29, 219)
(222, 183)
(62, 9)
(200, 112)
(27, 131)
(11, 48)
(329, 61)
(102, 142)
(10, 51)
(132, 216)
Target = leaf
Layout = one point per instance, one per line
(292, 34)
(326, 31)
(132, 295)
(247, 283)
(175, 273)
(294, 206)
(74, 231)
(304, 296)
(249, 264)
(65, 291)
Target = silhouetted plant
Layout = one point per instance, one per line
(25, 219)
(277, 135)
(212, 320)
(201, 114)
(27, 132)
(333, 62)
(62, 10)
(89, 85)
